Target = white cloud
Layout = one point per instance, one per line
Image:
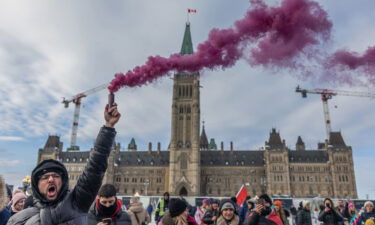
(7, 162)
(11, 138)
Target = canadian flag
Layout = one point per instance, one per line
(192, 10)
(241, 195)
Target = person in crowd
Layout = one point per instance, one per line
(278, 205)
(137, 213)
(244, 209)
(304, 215)
(349, 212)
(368, 213)
(234, 200)
(107, 208)
(201, 211)
(54, 203)
(340, 208)
(150, 209)
(329, 216)
(261, 213)
(212, 213)
(17, 202)
(293, 212)
(177, 213)
(228, 215)
(249, 207)
(162, 207)
(4, 211)
(315, 217)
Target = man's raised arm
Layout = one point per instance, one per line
(89, 182)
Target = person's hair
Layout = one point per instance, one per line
(330, 200)
(107, 191)
(233, 199)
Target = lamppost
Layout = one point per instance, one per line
(26, 183)
(146, 183)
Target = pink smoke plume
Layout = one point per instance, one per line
(265, 36)
(343, 60)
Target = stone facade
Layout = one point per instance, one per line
(193, 166)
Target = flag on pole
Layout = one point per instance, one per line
(192, 10)
(241, 195)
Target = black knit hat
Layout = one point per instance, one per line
(176, 207)
(266, 198)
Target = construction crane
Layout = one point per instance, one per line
(327, 94)
(76, 99)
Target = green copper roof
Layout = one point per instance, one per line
(132, 144)
(187, 44)
(212, 145)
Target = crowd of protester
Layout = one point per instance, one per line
(89, 202)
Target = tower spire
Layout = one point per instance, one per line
(187, 44)
(203, 139)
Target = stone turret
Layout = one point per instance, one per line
(300, 145)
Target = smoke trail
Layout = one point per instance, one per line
(343, 61)
(265, 36)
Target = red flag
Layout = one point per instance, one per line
(192, 10)
(241, 195)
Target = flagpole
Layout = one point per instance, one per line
(187, 16)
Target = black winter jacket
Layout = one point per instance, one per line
(122, 218)
(331, 217)
(303, 217)
(70, 207)
(207, 217)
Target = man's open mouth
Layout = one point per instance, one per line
(52, 191)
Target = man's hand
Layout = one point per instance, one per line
(259, 208)
(111, 115)
(326, 209)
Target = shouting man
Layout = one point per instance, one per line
(53, 202)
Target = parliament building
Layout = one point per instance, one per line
(193, 165)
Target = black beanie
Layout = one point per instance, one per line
(49, 165)
(176, 207)
(266, 198)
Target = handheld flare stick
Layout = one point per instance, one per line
(111, 99)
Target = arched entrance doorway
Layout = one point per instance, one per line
(183, 192)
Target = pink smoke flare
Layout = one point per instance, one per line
(266, 36)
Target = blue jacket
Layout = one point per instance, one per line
(364, 216)
(243, 212)
(4, 216)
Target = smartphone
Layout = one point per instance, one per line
(107, 220)
(111, 99)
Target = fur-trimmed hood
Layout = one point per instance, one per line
(3, 194)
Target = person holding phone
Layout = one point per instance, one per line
(260, 214)
(212, 213)
(329, 216)
(107, 209)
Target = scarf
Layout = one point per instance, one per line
(234, 221)
(108, 212)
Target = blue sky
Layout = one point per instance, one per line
(55, 49)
